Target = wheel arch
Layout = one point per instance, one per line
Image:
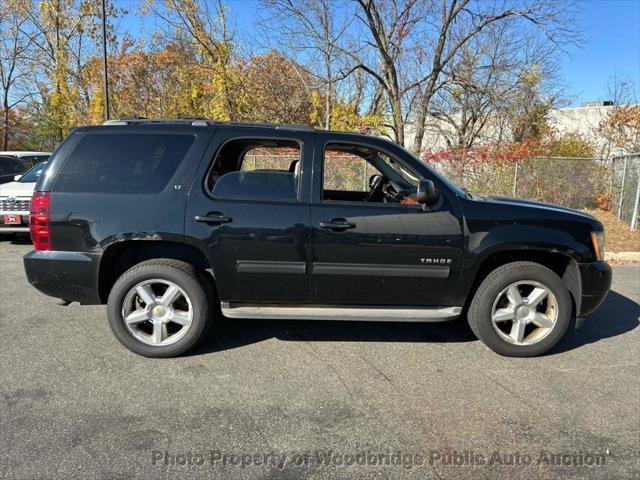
(120, 256)
(560, 263)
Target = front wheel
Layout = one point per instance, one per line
(522, 309)
(159, 308)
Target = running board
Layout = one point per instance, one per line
(348, 313)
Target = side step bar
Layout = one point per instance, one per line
(348, 313)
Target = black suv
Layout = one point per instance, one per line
(174, 224)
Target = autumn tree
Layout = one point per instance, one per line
(279, 89)
(205, 29)
(63, 34)
(622, 128)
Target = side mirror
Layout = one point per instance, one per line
(17, 177)
(427, 193)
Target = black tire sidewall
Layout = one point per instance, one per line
(182, 275)
(482, 303)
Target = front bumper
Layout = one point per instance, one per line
(71, 276)
(596, 282)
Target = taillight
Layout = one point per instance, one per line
(39, 221)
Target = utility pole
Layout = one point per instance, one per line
(105, 72)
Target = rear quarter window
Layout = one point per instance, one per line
(123, 163)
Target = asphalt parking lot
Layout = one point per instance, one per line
(313, 400)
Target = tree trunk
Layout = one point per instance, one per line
(420, 121)
(328, 105)
(421, 118)
(5, 121)
(398, 122)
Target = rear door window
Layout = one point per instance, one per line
(123, 162)
(256, 169)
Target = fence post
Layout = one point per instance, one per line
(364, 180)
(612, 173)
(634, 215)
(624, 178)
(515, 180)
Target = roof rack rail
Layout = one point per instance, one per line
(296, 126)
(197, 122)
(203, 122)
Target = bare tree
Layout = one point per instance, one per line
(495, 80)
(416, 41)
(619, 126)
(390, 24)
(315, 32)
(14, 50)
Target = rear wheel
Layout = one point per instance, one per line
(160, 308)
(521, 309)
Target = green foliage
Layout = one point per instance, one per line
(570, 145)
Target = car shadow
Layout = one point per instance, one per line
(616, 316)
(19, 239)
(235, 333)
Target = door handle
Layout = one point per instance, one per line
(337, 224)
(213, 218)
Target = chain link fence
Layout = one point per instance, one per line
(625, 188)
(580, 183)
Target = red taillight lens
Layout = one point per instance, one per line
(39, 221)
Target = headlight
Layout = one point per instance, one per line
(597, 240)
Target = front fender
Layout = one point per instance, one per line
(482, 245)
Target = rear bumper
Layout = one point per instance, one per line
(596, 282)
(68, 275)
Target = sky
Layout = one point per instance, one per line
(612, 48)
(611, 45)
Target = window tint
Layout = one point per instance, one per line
(9, 166)
(267, 169)
(123, 163)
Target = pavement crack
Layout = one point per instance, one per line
(314, 353)
(375, 367)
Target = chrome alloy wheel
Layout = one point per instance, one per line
(525, 312)
(157, 312)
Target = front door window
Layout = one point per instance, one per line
(353, 173)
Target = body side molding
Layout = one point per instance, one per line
(254, 266)
(381, 270)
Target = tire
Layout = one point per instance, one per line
(522, 328)
(159, 328)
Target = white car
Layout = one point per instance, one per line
(15, 200)
(14, 162)
(28, 158)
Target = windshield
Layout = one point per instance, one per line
(33, 174)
